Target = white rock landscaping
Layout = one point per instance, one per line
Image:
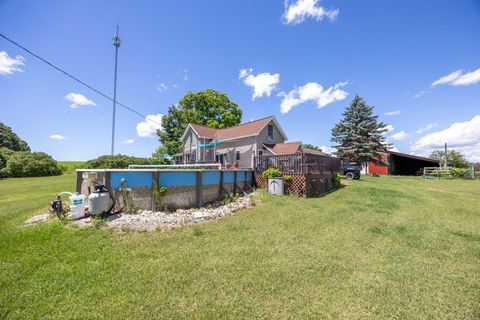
(148, 220)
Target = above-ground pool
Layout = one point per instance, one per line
(186, 188)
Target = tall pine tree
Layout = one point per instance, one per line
(359, 135)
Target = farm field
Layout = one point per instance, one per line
(70, 166)
(388, 247)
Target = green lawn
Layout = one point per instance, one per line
(380, 248)
(70, 166)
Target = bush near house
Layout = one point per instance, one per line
(29, 164)
(119, 161)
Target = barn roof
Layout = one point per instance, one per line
(411, 156)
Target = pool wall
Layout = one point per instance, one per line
(185, 188)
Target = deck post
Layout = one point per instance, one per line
(199, 189)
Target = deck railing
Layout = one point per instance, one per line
(298, 163)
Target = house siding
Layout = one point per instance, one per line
(246, 146)
(187, 143)
(262, 137)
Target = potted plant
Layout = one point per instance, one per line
(275, 181)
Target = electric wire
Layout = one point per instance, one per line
(75, 78)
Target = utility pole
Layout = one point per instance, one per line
(116, 43)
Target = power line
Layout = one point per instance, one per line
(75, 78)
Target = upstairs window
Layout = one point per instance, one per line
(270, 132)
(260, 152)
(237, 155)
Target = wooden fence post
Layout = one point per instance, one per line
(220, 185)
(79, 182)
(198, 196)
(235, 181)
(155, 184)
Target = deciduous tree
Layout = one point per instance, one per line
(210, 108)
(455, 158)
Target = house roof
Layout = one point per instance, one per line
(285, 148)
(411, 156)
(314, 151)
(203, 131)
(247, 129)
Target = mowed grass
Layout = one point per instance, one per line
(380, 248)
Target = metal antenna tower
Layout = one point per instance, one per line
(116, 43)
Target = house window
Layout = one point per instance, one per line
(270, 132)
(260, 152)
(237, 155)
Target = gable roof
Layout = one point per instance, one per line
(203, 131)
(285, 148)
(247, 129)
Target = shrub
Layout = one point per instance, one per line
(30, 164)
(160, 192)
(458, 172)
(118, 162)
(5, 154)
(272, 173)
(336, 180)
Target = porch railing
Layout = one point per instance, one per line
(298, 163)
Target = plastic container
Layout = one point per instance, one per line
(276, 186)
(77, 206)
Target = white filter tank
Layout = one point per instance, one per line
(77, 206)
(99, 201)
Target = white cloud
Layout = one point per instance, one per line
(392, 113)
(468, 78)
(149, 126)
(428, 127)
(298, 11)
(329, 150)
(9, 65)
(78, 100)
(421, 93)
(312, 91)
(161, 87)
(461, 136)
(458, 78)
(128, 141)
(402, 135)
(57, 137)
(262, 83)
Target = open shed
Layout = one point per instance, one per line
(402, 164)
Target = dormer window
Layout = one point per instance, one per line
(270, 132)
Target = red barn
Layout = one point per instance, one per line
(401, 164)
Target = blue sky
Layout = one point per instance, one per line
(302, 61)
